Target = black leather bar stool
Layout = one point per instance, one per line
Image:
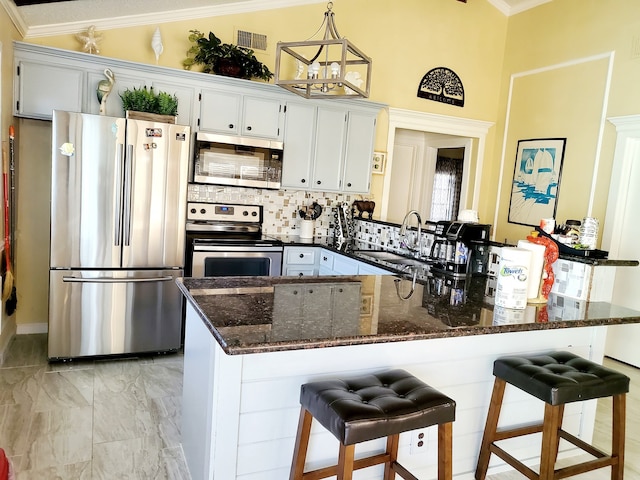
(372, 406)
(556, 378)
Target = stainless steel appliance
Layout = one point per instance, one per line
(227, 240)
(118, 195)
(243, 161)
(461, 248)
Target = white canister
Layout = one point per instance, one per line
(306, 228)
(513, 278)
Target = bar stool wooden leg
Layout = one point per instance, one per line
(445, 451)
(490, 428)
(302, 442)
(345, 462)
(550, 440)
(392, 451)
(618, 433)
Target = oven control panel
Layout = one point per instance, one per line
(223, 212)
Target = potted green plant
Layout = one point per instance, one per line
(223, 58)
(146, 101)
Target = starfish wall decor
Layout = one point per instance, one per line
(90, 40)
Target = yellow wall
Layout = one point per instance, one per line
(568, 102)
(8, 34)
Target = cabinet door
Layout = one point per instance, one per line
(42, 88)
(220, 112)
(261, 117)
(330, 135)
(359, 152)
(299, 130)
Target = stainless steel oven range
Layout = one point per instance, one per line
(226, 240)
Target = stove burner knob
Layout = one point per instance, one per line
(254, 214)
(193, 210)
(245, 213)
(203, 211)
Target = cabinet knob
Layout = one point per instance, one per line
(348, 184)
(302, 181)
(302, 255)
(248, 128)
(324, 259)
(231, 125)
(318, 182)
(301, 275)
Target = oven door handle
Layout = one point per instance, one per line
(235, 248)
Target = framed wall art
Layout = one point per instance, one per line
(536, 180)
(379, 162)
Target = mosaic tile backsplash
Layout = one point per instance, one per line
(280, 207)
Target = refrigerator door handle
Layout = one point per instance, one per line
(127, 195)
(115, 280)
(118, 210)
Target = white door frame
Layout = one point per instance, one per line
(434, 123)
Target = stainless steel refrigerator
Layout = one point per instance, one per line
(118, 207)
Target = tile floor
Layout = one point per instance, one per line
(120, 419)
(90, 420)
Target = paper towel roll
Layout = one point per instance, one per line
(536, 266)
(513, 278)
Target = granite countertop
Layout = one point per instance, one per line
(351, 247)
(268, 314)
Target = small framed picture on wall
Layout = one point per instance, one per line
(379, 162)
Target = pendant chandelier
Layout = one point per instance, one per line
(330, 67)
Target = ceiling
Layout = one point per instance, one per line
(35, 18)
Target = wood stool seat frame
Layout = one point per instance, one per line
(552, 432)
(347, 462)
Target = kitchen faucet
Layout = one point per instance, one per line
(416, 245)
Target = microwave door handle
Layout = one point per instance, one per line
(118, 209)
(127, 195)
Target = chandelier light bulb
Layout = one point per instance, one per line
(335, 69)
(315, 68)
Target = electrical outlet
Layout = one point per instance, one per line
(384, 235)
(418, 442)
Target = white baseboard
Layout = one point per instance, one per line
(29, 328)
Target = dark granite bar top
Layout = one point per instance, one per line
(268, 314)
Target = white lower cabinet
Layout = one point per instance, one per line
(300, 261)
(333, 263)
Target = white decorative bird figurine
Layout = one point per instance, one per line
(104, 89)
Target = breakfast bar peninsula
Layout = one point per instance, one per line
(250, 342)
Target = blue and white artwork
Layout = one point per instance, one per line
(536, 180)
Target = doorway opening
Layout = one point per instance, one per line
(414, 142)
(447, 184)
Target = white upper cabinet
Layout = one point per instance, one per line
(299, 134)
(328, 144)
(359, 152)
(328, 148)
(232, 113)
(39, 89)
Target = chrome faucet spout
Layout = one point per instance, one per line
(417, 244)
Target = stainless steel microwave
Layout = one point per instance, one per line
(240, 161)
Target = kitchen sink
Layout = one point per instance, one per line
(390, 257)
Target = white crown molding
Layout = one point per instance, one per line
(507, 9)
(15, 16)
(151, 18)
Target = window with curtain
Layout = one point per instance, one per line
(447, 184)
